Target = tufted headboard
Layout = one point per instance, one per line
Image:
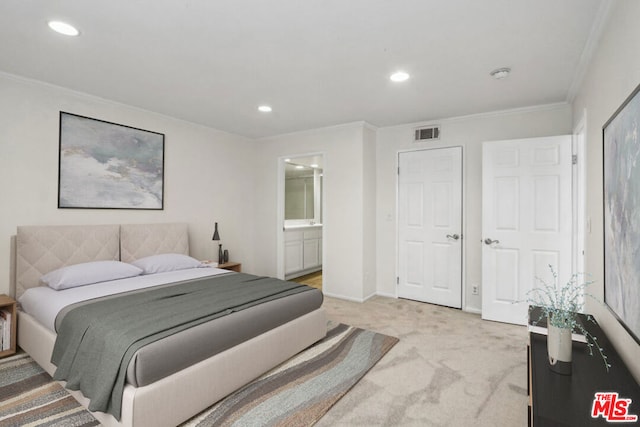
(141, 240)
(41, 249)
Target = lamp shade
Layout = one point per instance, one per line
(216, 236)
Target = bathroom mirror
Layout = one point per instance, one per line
(303, 190)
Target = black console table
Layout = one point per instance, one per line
(566, 400)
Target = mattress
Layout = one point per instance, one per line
(45, 303)
(173, 353)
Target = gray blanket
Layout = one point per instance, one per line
(96, 341)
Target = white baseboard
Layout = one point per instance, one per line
(344, 297)
(368, 297)
(386, 294)
(473, 310)
(382, 294)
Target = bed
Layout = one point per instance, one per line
(176, 396)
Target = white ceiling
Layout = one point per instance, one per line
(316, 62)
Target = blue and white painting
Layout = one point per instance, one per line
(109, 166)
(621, 146)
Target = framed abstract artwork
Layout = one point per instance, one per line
(105, 165)
(621, 179)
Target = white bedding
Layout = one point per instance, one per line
(44, 303)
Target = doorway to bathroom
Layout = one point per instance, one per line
(300, 222)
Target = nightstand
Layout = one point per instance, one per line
(8, 305)
(232, 266)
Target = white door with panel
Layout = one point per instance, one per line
(430, 226)
(526, 221)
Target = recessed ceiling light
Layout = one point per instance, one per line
(265, 108)
(314, 165)
(500, 73)
(287, 160)
(399, 76)
(63, 28)
(299, 167)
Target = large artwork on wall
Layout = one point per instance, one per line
(621, 156)
(105, 165)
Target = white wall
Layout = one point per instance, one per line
(207, 172)
(369, 207)
(613, 73)
(468, 132)
(343, 230)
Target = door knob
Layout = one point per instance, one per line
(488, 241)
(453, 236)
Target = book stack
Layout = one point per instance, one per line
(5, 330)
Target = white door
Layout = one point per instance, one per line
(430, 226)
(526, 221)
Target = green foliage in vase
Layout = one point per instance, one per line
(560, 305)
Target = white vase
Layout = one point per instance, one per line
(559, 349)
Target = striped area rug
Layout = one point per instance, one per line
(29, 397)
(296, 393)
(300, 391)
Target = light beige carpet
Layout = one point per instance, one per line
(450, 368)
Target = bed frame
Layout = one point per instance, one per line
(176, 398)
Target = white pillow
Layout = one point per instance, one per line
(166, 262)
(86, 273)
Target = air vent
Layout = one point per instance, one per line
(427, 133)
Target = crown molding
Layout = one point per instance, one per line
(488, 114)
(602, 16)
